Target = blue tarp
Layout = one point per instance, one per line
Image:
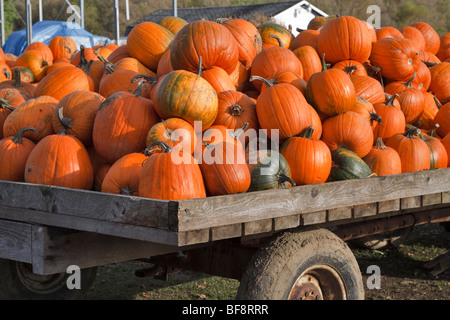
(44, 31)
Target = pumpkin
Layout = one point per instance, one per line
(431, 108)
(347, 165)
(364, 108)
(128, 63)
(75, 113)
(383, 160)
(283, 107)
(446, 142)
(306, 38)
(413, 151)
(386, 32)
(65, 80)
(163, 178)
(309, 159)
(186, 95)
(118, 54)
(247, 37)
(415, 35)
(120, 80)
(269, 170)
(36, 61)
(224, 169)
(43, 49)
(431, 37)
(392, 117)
(147, 41)
(235, 109)
(438, 153)
(11, 97)
(88, 53)
(62, 47)
(330, 91)
(317, 23)
(398, 58)
(344, 38)
(410, 98)
(348, 130)
(442, 118)
(282, 76)
(122, 177)
(218, 78)
(175, 132)
(217, 134)
(240, 77)
(121, 125)
(422, 80)
(18, 83)
(36, 113)
(269, 31)
(309, 59)
(173, 24)
(351, 67)
(368, 88)
(60, 160)
(274, 59)
(440, 78)
(444, 48)
(207, 39)
(14, 152)
(164, 65)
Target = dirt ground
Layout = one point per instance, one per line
(403, 276)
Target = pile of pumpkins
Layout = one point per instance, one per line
(341, 100)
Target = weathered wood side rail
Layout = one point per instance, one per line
(214, 218)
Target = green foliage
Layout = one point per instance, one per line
(409, 12)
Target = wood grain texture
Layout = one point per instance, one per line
(15, 241)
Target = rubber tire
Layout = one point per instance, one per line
(12, 288)
(383, 240)
(275, 267)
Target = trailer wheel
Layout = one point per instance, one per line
(308, 265)
(18, 282)
(383, 240)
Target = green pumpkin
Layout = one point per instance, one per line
(269, 170)
(347, 165)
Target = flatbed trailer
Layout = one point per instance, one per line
(280, 244)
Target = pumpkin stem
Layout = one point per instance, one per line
(280, 43)
(350, 69)
(409, 83)
(432, 132)
(83, 64)
(268, 83)
(285, 178)
(18, 138)
(380, 144)
(200, 68)
(429, 64)
(375, 117)
(126, 191)
(236, 110)
(307, 133)
(438, 104)
(138, 91)
(146, 78)
(66, 122)
(324, 64)
(107, 65)
(390, 99)
(236, 133)
(411, 131)
(164, 147)
(17, 80)
(5, 104)
(222, 20)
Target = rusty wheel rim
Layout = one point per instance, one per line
(318, 282)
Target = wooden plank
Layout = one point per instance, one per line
(445, 197)
(85, 224)
(365, 210)
(410, 202)
(226, 232)
(63, 248)
(339, 213)
(193, 237)
(389, 206)
(431, 199)
(15, 241)
(286, 222)
(314, 217)
(253, 206)
(87, 204)
(255, 227)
